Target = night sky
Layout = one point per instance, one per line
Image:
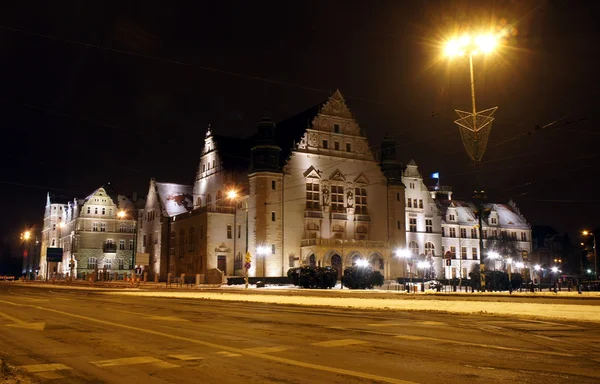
(93, 93)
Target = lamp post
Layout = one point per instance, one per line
(234, 195)
(422, 265)
(406, 255)
(595, 269)
(540, 272)
(494, 256)
(474, 126)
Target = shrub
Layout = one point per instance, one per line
(317, 277)
(356, 277)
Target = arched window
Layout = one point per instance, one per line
(312, 261)
(429, 249)
(192, 239)
(199, 201)
(208, 199)
(181, 243)
(337, 228)
(413, 246)
(219, 195)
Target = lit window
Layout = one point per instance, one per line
(312, 197)
(337, 198)
(413, 224)
(463, 253)
(414, 248)
(474, 253)
(429, 225)
(360, 201)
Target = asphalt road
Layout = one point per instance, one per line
(76, 336)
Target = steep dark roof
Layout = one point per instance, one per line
(291, 130)
(233, 152)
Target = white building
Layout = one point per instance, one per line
(438, 227)
(96, 233)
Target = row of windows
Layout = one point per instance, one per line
(412, 222)
(354, 197)
(93, 263)
(336, 146)
(463, 252)
(414, 203)
(452, 217)
(473, 233)
(99, 211)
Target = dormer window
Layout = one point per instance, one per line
(494, 220)
(451, 217)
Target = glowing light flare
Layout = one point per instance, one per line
(554, 269)
(404, 253)
(422, 265)
(519, 265)
(362, 263)
(537, 267)
(262, 250)
(232, 194)
(26, 235)
(484, 43)
(493, 255)
(586, 233)
(121, 214)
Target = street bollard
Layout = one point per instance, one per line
(579, 288)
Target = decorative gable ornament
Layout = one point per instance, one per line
(336, 106)
(337, 176)
(312, 173)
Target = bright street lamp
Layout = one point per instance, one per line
(26, 235)
(121, 214)
(474, 126)
(263, 251)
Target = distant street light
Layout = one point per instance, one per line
(474, 126)
(595, 268)
(405, 254)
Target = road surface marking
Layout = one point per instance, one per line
(166, 318)
(227, 354)
(421, 338)
(266, 349)
(35, 368)
(22, 324)
(132, 361)
(278, 359)
(338, 343)
(50, 375)
(384, 324)
(431, 323)
(187, 357)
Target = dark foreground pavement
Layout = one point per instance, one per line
(75, 336)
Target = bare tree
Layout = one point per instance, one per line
(504, 244)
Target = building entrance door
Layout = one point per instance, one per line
(222, 263)
(336, 263)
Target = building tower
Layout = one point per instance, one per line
(265, 202)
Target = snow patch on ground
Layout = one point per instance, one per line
(586, 313)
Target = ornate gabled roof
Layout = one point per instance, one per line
(336, 106)
(412, 170)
